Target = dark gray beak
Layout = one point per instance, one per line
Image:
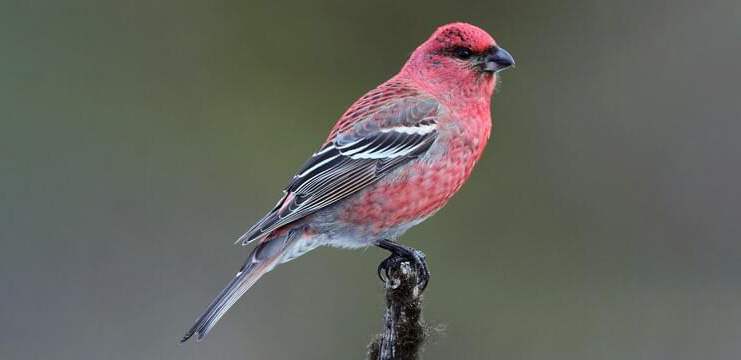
(497, 59)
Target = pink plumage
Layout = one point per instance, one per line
(394, 158)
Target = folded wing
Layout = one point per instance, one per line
(388, 135)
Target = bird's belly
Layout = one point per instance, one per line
(406, 196)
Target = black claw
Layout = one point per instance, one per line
(399, 254)
(384, 268)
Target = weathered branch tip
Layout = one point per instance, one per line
(404, 332)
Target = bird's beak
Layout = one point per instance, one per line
(497, 59)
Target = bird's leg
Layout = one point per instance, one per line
(400, 254)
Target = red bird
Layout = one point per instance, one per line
(394, 158)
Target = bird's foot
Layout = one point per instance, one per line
(399, 255)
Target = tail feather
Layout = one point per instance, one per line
(261, 260)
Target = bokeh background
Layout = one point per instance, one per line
(138, 139)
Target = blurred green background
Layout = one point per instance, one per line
(139, 139)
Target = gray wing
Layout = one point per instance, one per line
(354, 159)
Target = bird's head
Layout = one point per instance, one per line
(459, 56)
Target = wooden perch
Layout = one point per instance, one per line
(404, 333)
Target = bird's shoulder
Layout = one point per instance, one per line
(393, 104)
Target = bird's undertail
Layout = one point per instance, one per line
(262, 259)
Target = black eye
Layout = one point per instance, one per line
(463, 53)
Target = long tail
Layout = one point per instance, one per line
(262, 259)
